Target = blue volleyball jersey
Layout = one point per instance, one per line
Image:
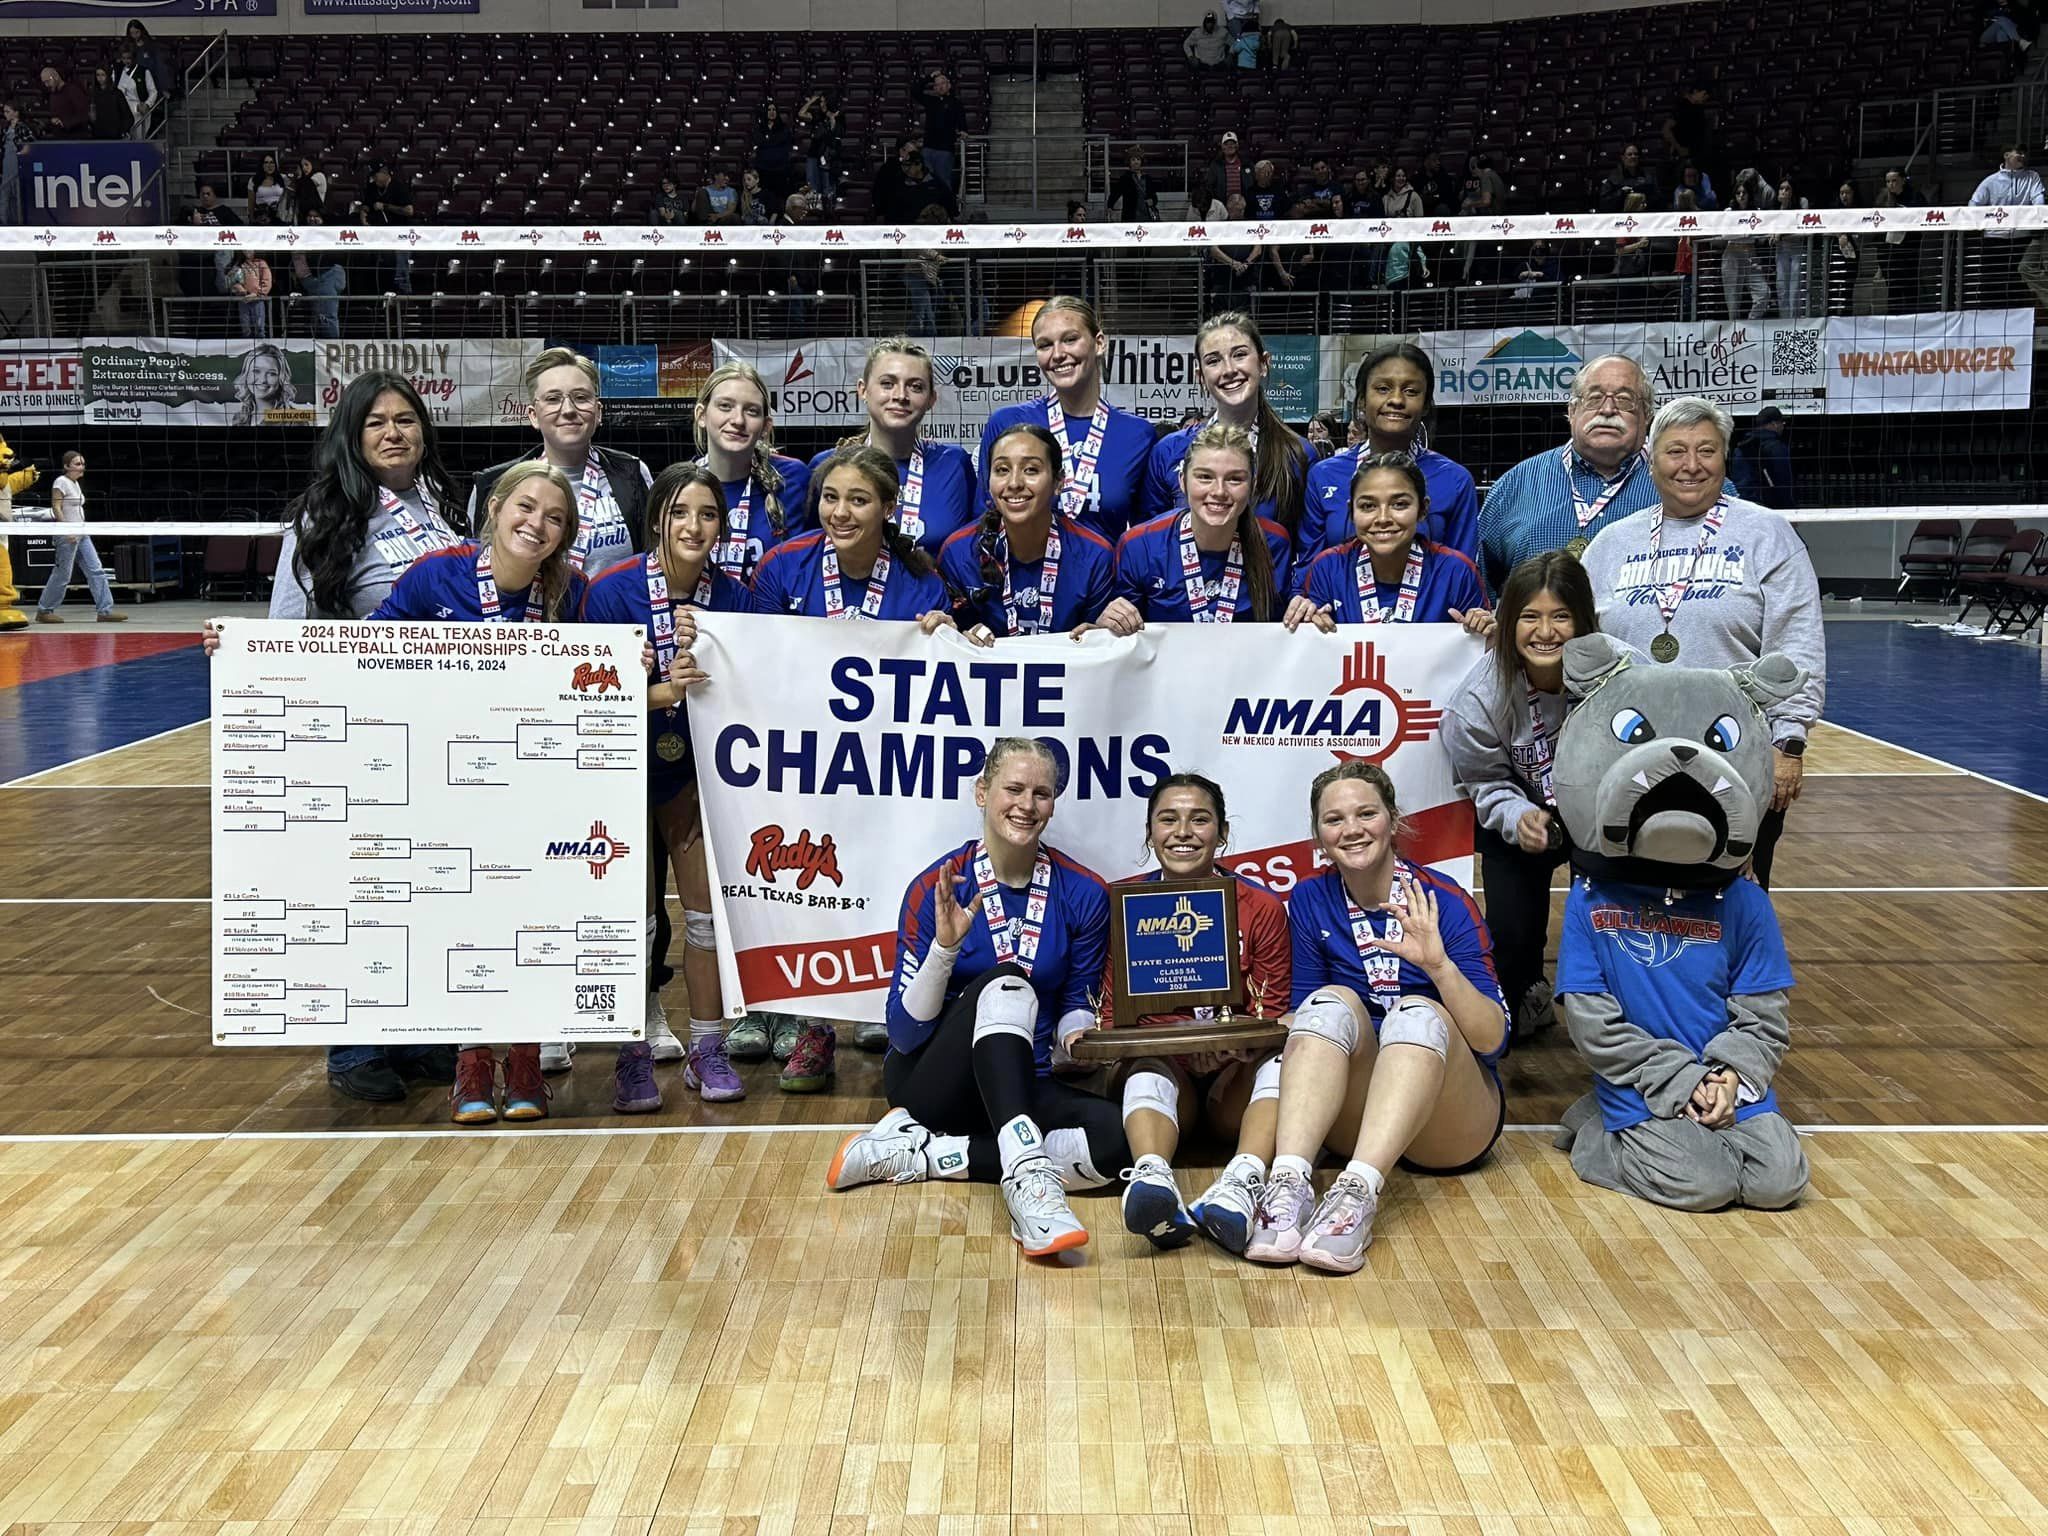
(1163, 491)
(1087, 577)
(1326, 952)
(442, 585)
(1452, 520)
(1148, 571)
(1118, 499)
(740, 554)
(945, 503)
(1072, 948)
(619, 596)
(1449, 580)
(1671, 965)
(792, 580)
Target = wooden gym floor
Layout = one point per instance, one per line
(231, 1303)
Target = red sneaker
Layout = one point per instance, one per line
(526, 1091)
(473, 1100)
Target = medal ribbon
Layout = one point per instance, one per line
(1082, 474)
(664, 626)
(1403, 611)
(1048, 581)
(1198, 592)
(1668, 598)
(1382, 970)
(732, 554)
(835, 600)
(1588, 511)
(909, 506)
(416, 537)
(1539, 737)
(487, 592)
(1013, 940)
(592, 491)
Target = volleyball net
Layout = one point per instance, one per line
(1898, 344)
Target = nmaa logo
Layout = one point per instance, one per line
(1075, 232)
(1183, 923)
(349, 237)
(1936, 216)
(1362, 719)
(714, 237)
(593, 237)
(600, 850)
(835, 237)
(105, 237)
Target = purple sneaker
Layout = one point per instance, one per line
(634, 1091)
(707, 1070)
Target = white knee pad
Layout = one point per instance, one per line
(1152, 1090)
(1007, 1006)
(1266, 1081)
(1416, 1023)
(699, 931)
(1067, 1150)
(1328, 1017)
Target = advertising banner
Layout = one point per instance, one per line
(39, 382)
(645, 385)
(1979, 360)
(158, 381)
(464, 383)
(112, 181)
(221, 12)
(832, 777)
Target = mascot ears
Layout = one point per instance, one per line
(1769, 680)
(1589, 660)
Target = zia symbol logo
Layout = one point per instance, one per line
(1189, 925)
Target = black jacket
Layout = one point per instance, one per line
(629, 490)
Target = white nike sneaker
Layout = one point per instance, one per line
(666, 1047)
(1341, 1229)
(893, 1148)
(555, 1055)
(1226, 1209)
(1286, 1200)
(1152, 1207)
(1040, 1219)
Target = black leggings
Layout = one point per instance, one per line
(958, 1086)
(1517, 888)
(1768, 831)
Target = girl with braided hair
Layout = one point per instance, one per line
(764, 492)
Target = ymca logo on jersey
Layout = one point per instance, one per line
(599, 849)
(1363, 719)
(1652, 938)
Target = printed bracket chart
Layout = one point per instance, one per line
(413, 833)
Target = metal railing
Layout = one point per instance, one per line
(1167, 168)
(77, 296)
(1970, 120)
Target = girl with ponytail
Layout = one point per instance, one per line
(899, 389)
(764, 492)
(1022, 570)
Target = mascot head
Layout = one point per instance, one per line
(6, 453)
(1663, 772)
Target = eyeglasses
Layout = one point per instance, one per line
(1627, 401)
(553, 401)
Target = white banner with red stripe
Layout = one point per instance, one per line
(836, 761)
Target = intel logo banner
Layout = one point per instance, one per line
(118, 181)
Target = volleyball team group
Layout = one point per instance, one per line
(1399, 998)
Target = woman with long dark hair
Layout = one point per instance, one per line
(1022, 570)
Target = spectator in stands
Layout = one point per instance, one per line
(774, 155)
(1999, 251)
(1898, 253)
(1240, 16)
(1401, 201)
(136, 41)
(1134, 191)
(670, 208)
(1742, 268)
(1245, 49)
(387, 202)
(718, 200)
(1697, 182)
(819, 119)
(108, 108)
(1227, 174)
(1407, 266)
(321, 279)
(944, 121)
(309, 193)
(1689, 131)
(266, 190)
(797, 275)
(1369, 188)
(1322, 188)
(212, 209)
(141, 87)
(248, 281)
(2002, 30)
(892, 183)
(1439, 188)
(1233, 262)
(15, 137)
(1794, 257)
(1630, 174)
(1280, 43)
(70, 105)
(1845, 257)
(1207, 45)
(1632, 251)
(1265, 198)
(1494, 185)
(1539, 265)
(921, 194)
(753, 198)
(1762, 465)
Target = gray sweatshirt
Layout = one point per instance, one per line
(1753, 591)
(1493, 750)
(387, 551)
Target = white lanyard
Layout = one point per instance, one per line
(835, 600)
(1403, 611)
(1048, 580)
(1198, 591)
(1015, 940)
(1083, 474)
(1668, 598)
(487, 592)
(413, 538)
(1587, 511)
(732, 554)
(1382, 970)
(664, 625)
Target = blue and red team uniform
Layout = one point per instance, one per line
(1073, 946)
(1163, 490)
(1449, 580)
(945, 501)
(619, 595)
(1148, 571)
(740, 557)
(1452, 521)
(1117, 499)
(792, 580)
(1086, 582)
(441, 584)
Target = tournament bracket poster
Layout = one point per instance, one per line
(833, 775)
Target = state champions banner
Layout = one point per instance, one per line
(832, 776)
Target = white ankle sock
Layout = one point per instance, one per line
(1018, 1140)
(1245, 1166)
(1286, 1164)
(706, 1029)
(945, 1157)
(1374, 1179)
(1152, 1162)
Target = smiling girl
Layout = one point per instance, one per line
(1388, 572)
(899, 390)
(1021, 570)
(764, 492)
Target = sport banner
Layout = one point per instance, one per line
(1978, 360)
(39, 382)
(159, 381)
(464, 383)
(833, 776)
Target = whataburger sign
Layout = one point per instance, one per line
(1978, 360)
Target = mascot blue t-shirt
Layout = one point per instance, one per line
(1671, 966)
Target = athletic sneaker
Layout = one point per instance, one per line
(748, 1039)
(707, 1071)
(782, 1032)
(373, 1082)
(526, 1091)
(634, 1090)
(1040, 1219)
(1286, 1200)
(872, 1036)
(1226, 1209)
(1341, 1229)
(557, 1056)
(660, 1037)
(473, 1100)
(893, 1148)
(1152, 1207)
(810, 1066)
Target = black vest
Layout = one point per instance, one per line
(629, 490)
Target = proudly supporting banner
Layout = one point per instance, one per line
(1979, 360)
(830, 778)
(159, 381)
(464, 383)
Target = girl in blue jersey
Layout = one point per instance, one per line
(764, 492)
(1021, 570)
(1396, 1034)
(1396, 395)
(1107, 450)
(518, 571)
(859, 565)
(999, 950)
(899, 390)
(1231, 357)
(1215, 562)
(1387, 572)
(657, 591)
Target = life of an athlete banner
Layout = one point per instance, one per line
(834, 775)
